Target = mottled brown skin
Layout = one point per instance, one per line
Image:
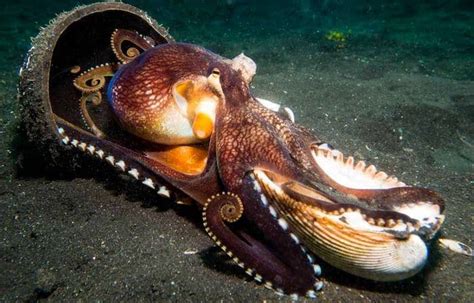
(143, 89)
(156, 70)
(164, 66)
(249, 136)
(252, 136)
(246, 136)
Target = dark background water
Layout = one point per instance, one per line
(434, 32)
(398, 92)
(434, 38)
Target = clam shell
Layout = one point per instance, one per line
(371, 255)
(456, 246)
(347, 241)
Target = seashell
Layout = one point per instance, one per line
(349, 240)
(46, 78)
(456, 246)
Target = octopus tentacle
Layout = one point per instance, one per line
(119, 36)
(282, 110)
(110, 153)
(90, 83)
(365, 182)
(286, 268)
(93, 79)
(96, 99)
(259, 202)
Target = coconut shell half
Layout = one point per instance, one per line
(71, 43)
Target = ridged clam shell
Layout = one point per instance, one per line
(372, 255)
(349, 242)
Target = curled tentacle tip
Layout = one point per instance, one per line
(229, 205)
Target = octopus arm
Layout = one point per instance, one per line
(269, 252)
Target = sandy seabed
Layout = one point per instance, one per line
(399, 94)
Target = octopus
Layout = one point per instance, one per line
(272, 195)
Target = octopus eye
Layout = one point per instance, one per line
(197, 104)
(216, 72)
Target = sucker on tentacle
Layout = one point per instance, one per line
(379, 190)
(93, 79)
(96, 99)
(318, 285)
(119, 36)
